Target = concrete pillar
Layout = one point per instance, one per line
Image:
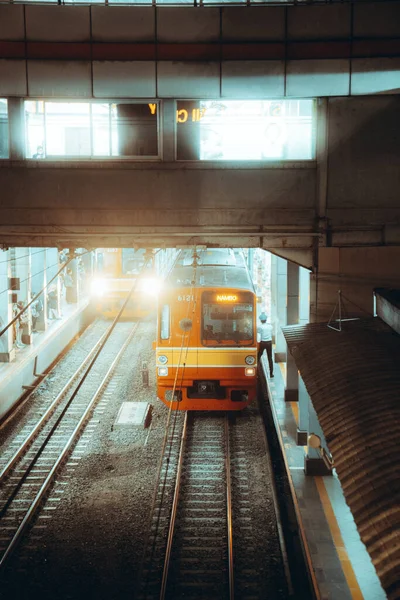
(87, 260)
(168, 122)
(313, 463)
(302, 426)
(292, 318)
(274, 310)
(39, 273)
(52, 266)
(304, 296)
(72, 295)
(16, 121)
(7, 351)
(281, 297)
(23, 269)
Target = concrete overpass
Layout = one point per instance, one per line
(337, 214)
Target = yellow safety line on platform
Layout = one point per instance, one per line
(351, 579)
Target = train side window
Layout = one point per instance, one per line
(165, 322)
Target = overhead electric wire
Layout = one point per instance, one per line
(31, 276)
(167, 454)
(16, 258)
(41, 292)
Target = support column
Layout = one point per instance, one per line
(72, 294)
(304, 296)
(23, 268)
(7, 351)
(281, 293)
(313, 463)
(168, 121)
(16, 125)
(38, 264)
(88, 265)
(274, 314)
(302, 426)
(292, 377)
(52, 266)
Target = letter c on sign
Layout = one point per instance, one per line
(182, 115)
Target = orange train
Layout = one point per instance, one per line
(206, 351)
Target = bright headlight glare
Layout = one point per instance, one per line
(98, 287)
(250, 371)
(150, 285)
(162, 371)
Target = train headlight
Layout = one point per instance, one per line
(250, 371)
(162, 359)
(162, 371)
(98, 287)
(150, 285)
(250, 360)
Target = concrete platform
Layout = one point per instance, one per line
(38, 356)
(340, 564)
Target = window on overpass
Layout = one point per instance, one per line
(90, 130)
(245, 130)
(3, 129)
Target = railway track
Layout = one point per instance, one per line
(29, 473)
(201, 542)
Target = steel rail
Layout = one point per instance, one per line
(229, 509)
(50, 477)
(46, 416)
(174, 511)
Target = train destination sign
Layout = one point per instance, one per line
(227, 297)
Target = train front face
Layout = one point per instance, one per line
(207, 351)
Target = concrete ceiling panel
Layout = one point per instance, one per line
(373, 19)
(319, 22)
(59, 79)
(57, 23)
(124, 79)
(364, 160)
(252, 79)
(310, 78)
(12, 78)
(375, 76)
(187, 25)
(188, 80)
(122, 24)
(11, 22)
(253, 23)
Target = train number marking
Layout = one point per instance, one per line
(186, 298)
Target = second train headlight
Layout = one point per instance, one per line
(98, 287)
(162, 371)
(150, 285)
(162, 359)
(250, 360)
(250, 371)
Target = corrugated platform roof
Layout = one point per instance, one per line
(392, 295)
(353, 379)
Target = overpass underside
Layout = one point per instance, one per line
(336, 211)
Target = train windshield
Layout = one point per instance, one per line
(211, 256)
(228, 318)
(132, 261)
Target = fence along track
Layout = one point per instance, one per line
(31, 477)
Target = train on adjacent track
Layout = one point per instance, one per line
(118, 269)
(206, 350)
